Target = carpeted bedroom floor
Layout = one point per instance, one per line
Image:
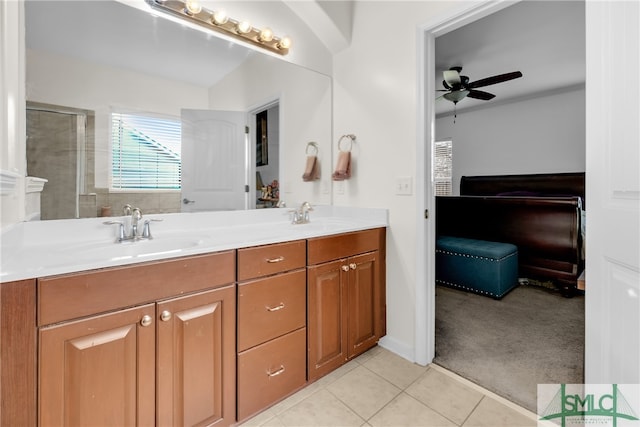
(532, 336)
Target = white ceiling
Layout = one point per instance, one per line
(127, 37)
(545, 40)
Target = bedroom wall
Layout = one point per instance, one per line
(541, 134)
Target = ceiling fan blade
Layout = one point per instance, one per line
(478, 94)
(495, 79)
(451, 77)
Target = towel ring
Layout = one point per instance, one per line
(313, 145)
(351, 137)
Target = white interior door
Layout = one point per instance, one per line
(612, 346)
(214, 160)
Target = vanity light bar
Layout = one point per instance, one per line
(191, 10)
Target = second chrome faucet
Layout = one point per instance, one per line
(130, 232)
(301, 215)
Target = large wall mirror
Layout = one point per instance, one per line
(88, 62)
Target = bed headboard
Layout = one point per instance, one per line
(546, 184)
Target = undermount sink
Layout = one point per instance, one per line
(135, 249)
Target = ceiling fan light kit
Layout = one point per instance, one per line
(458, 86)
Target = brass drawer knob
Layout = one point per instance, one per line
(353, 266)
(345, 268)
(165, 316)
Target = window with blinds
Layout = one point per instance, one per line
(145, 152)
(443, 168)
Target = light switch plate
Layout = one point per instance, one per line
(404, 185)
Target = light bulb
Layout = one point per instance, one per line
(220, 17)
(266, 35)
(243, 27)
(285, 43)
(193, 7)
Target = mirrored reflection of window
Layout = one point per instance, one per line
(443, 168)
(145, 152)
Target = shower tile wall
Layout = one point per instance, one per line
(52, 154)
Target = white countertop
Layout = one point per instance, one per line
(44, 248)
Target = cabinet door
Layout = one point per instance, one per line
(196, 359)
(364, 303)
(99, 371)
(327, 321)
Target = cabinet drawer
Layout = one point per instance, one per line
(271, 307)
(83, 294)
(271, 371)
(329, 248)
(271, 259)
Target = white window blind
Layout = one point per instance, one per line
(443, 168)
(145, 152)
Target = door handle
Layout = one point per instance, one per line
(187, 201)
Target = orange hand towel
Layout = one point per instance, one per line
(311, 169)
(343, 166)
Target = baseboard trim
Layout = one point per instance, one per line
(398, 347)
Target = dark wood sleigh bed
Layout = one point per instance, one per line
(541, 214)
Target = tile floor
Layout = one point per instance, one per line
(380, 388)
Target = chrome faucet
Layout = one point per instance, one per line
(301, 215)
(136, 216)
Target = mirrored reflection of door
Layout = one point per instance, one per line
(214, 160)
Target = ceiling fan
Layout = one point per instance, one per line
(458, 86)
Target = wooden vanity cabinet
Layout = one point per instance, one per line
(271, 324)
(346, 314)
(165, 358)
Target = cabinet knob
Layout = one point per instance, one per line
(165, 316)
(353, 265)
(345, 268)
(146, 320)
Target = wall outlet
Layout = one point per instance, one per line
(404, 185)
(339, 187)
(325, 187)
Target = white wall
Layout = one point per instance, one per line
(60, 80)
(305, 115)
(536, 135)
(375, 98)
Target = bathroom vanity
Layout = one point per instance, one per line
(190, 334)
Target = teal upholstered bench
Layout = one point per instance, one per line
(487, 268)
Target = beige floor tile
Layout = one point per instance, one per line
(338, 373)
(445, 395)
(405, 411)
(272, 422)
(490, 413)
(260, 419)
(395, 369)
(320, 409)
(369, 354)
(363, 391)
(295, 398)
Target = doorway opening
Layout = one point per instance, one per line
(266, 146)
(426, 303)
